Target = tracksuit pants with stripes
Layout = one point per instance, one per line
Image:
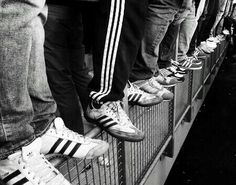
(119, 30)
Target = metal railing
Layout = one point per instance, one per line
(128, 163)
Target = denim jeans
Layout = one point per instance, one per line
(26, 105)
(186, 31)
(64, 53)
(157, 22)
(182, 27)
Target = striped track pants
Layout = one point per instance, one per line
(119, 29)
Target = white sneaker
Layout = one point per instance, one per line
(29, 167)
(59, 139)
(153, 87)
(210, 44)
(214, 39)
(112, 118)
(226, 32)
(136, 96)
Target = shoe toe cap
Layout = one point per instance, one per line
(168, 96)
(100, 148)
(136, 136)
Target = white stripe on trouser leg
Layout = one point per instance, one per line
(115, 48)
(107, 48)
(112, 42)
(110, 63)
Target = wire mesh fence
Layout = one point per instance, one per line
(154, 121)
(100, 171)
(127, 163)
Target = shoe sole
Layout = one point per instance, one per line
(194, 69)
(109, 132)
(145, 105)
(173, 85)
(167, 100)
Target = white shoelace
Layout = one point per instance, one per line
(38, 169)
(112, 108)
(134, 89)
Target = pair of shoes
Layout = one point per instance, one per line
(29, 166)
(136, 96)
(111, 117)
(190, 63)
(153, 87)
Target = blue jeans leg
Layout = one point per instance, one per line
(157, 23)
(187, 29)
(26, 104)
(168, 45)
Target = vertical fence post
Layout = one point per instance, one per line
(123, 151)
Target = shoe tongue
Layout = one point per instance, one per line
(58, 124)
(32, 148)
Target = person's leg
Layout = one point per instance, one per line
(116, 46)
(186, 31)
(79, 71)
(26, 103)
(207, 24)
(64, 53)
(119, 29)
(200, 16)
(168, 46)
(157, 22)
(145, 67)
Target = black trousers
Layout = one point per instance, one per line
(119, 27)
(207, 20)
(66, 71)
(205, 24)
